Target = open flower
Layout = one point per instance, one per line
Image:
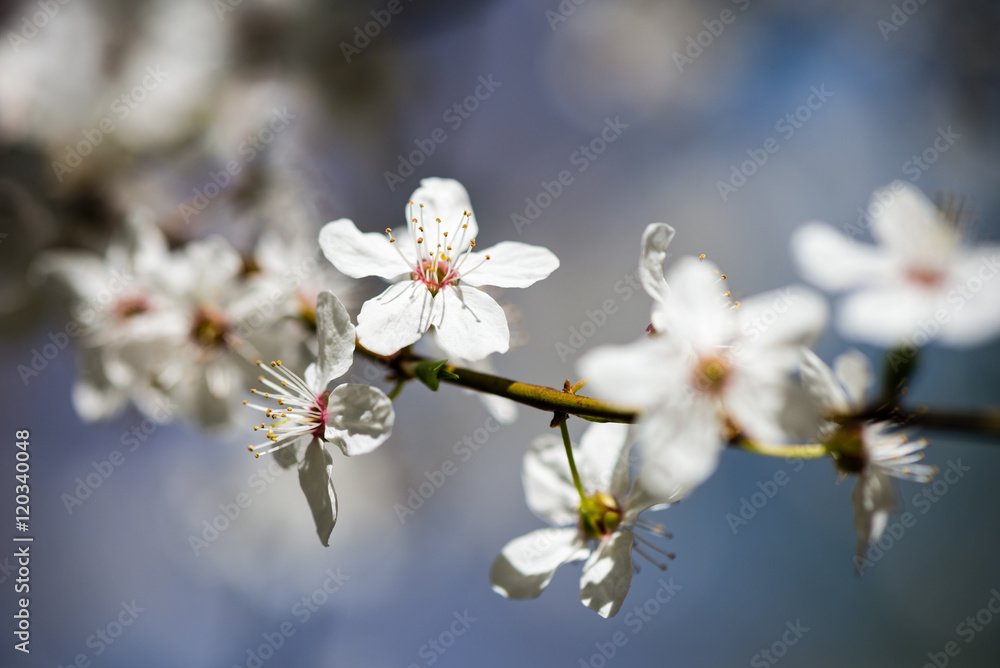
(918, 284)
(435, 272)
(875, 451)
(605, 523)
(355, 418)
(714, 369)
(127, 323)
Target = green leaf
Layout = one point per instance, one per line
(431, 372)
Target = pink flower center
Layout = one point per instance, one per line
(435, 276)
(322, 402)
(923, 277)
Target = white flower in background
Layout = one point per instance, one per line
(435, 273)
(917, 284)
(228, 319)
(714, 370)
(876, 451)
(355, 418)
(294, 269)
(125, 321)
(605, 525)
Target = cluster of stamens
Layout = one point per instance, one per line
(300, 411)
(600, 516)
(437, 266)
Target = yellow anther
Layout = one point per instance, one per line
(702, 256)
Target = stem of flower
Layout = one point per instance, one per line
(543, 398)
(551, 400)
(807, 451)
(569, 455)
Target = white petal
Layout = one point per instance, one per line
(775, 324)
(316, 483)
(885, 315)
(910, 226)
(603, 459)
(470, 324)
(973, 311)
(759, 406)
(855, 374)
(822, 385)
(526, 564)
(833, 262)
(357, 254)
(680, 447)
(873, 499)
(548, 483)
(335, 334)
(512, 264)
(448, 200)
(640, 373)
(95, 395)
(694, 311)
(652, 255)
(607, 575)
(396, 318)
(359, 418)
(209, 264)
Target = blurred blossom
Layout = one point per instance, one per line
(918, 284)
(713, 370)
(875, 451)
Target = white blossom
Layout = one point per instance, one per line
(606, 524)
(712, 370)
(435, 273)
(355, 418)
(919, 283)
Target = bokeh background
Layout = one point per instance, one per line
(898, 73)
